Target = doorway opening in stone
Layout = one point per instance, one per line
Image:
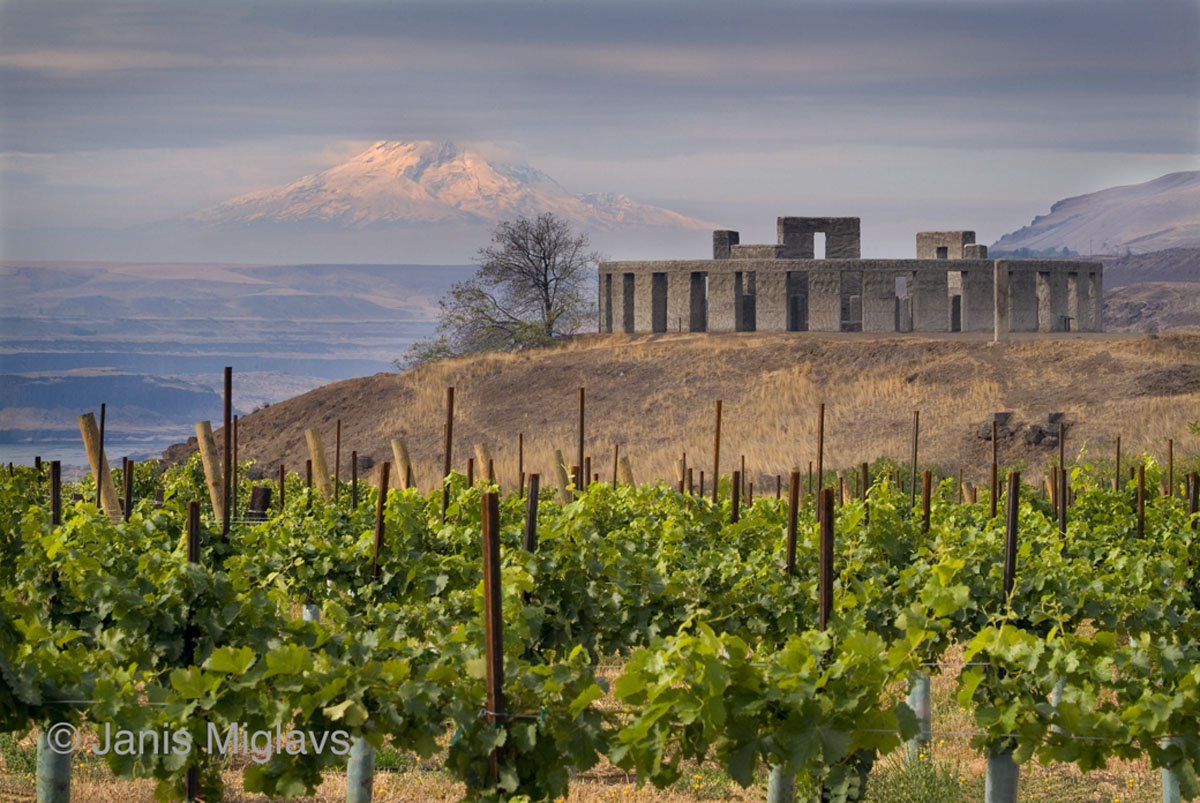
(658, 302)
(797, 301)
(698, 311)
(744, 297)
(851, 307)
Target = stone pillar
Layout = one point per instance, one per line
(843, 238)
(977, 305)
(720, 301)
(1022, 300)
(878, 300)
(1074, 308)
(642, 308)
(931, 303)
(1096, 299)
(679, 290)
(824, 299)
(1000, 301)
(772, 301)
(723, 240)
(795, 237)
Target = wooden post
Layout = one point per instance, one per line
(576, 478)
(690, 481)
(1117, 474)
(316, 450)
(587, 472)
(778, 486)
(616, 462)
(521, 461)
(212, 468)
(1010, 533)
(192, 778)
(227, 508)
(912, 491)
(995, 477)
(680, 471)
(233, 493)
(926, 496)
(531, 511)
(493, 619)
(793, 515)
(743, 475)
(1063, 483)
(127, 481)
(867, 486)
(579, 486)
(564, 480)
(626, 470)
(820, 451)
(337, 464)
(809, 486)
(353, 479)
(380, 503)
(735, 497)
(404, 470)
(1170, 467)
(1194, 498)
(717, 457)
(483, 458)
(825, 585)
(470, 472)
(447, 449)
(308, 478)
(1141, 500)
(105, 489)
(103, 410)
(282, 489)
(702, 482)
(55, 492)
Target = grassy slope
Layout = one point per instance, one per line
(655, 395)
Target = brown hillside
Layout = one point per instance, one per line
(1152, 307)
(655, 396)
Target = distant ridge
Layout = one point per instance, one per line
(1134, 219)
(398, 183)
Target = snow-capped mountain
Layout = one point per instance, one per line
(434, 182)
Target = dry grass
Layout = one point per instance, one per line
(655, 396)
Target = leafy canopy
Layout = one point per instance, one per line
(532, 287)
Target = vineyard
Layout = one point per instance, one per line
(525, 636)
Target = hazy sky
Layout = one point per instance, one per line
(941, 114)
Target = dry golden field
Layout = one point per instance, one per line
(655, 396)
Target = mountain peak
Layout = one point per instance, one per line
(399, 182)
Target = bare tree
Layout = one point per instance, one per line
(532, 287)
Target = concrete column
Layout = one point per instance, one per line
(678, 299)
(878, 301)
(771, 308)
(824, 299)
(977, 305)
(722, 241)
(720, 301)
(1022, 301)
(1000, 301)
(642, 308)
(1096, 300)
(931, 304)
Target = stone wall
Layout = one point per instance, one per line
(973, 295)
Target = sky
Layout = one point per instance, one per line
(944, 114)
